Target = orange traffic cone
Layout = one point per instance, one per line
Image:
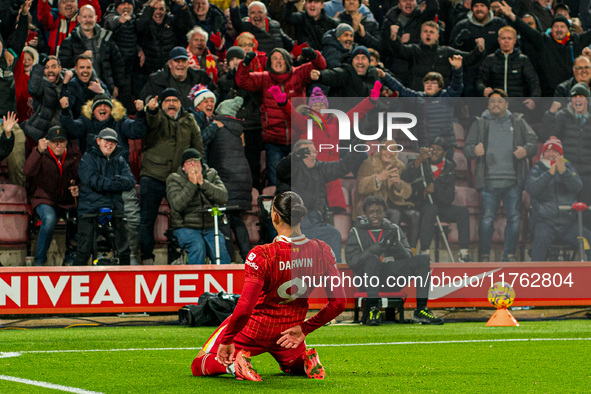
(502, 318)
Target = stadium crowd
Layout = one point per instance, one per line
(208, 87)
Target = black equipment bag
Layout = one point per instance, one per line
(211, 310)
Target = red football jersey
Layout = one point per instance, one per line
(282, 266)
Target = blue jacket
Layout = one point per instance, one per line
(87, 127)
(102, 180)
(438, 110)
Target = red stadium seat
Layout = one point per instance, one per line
(343, 224)
(15, 215)
(460, 135)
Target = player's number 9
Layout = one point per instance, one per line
(300, 286)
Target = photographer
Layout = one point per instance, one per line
(377, 247)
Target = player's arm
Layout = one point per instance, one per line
(253, 285)
(240, 316)
(293, 336)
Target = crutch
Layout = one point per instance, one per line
(216, 212)
(443, 235)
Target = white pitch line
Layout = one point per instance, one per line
(48, 385)
(315, 345)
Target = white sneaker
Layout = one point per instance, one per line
(148, 262)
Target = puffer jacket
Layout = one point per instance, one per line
(556, 59)
(215, 20)
(372, 37)
(158, 40)
(78, 93)
(345, 82)
(166, 141)
(108, 62)
(307, 29)
(87, 127)
(46, 103)
(124, 35)
(400, 67)
(576, 138)
(523, 135)
(513, 73)
(548, 191)
(272, 37)
(186, 198)
(226, 154)
(359, 241)
(435, 112)
(426, 58)
(98, 185)
(276, 126)
(333, 50)
(162, 79)
(49, 185)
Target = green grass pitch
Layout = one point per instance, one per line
(545, 357)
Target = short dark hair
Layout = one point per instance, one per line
(53, 57)
(376, 54)
(434, 76)
(500, 92)
(83, 57)
(374, 199)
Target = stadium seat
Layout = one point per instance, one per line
(255, 196)
(251, 220)
(464, 176)
(467, 197)
(397, 300)
(136, 150)
(343, 224)
(15, 215)
(460, 134)
(163, 221)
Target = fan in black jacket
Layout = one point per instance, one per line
(439, 176)
(378, 248)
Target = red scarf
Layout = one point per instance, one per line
(437, 168)
(564, 40)
(58, 161)
(210, 66)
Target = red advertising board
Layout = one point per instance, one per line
(61, 290)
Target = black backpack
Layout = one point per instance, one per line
(212, 310)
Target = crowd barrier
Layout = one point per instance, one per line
(113, 289)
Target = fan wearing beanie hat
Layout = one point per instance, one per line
(191, 189)
(553, 181)
(203, 100)
(318, 100)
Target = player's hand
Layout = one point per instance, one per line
(314, 75)
(225, 354)
(292, 337)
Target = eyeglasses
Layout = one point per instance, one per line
(582, 68)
